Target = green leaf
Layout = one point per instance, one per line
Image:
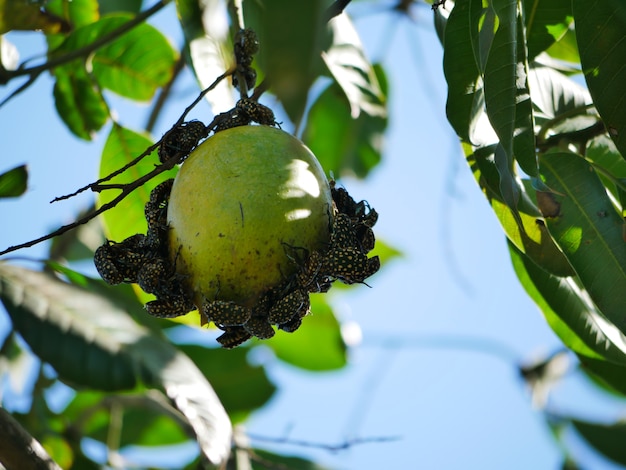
(133, 65)
(569, 311)
(589, 231)
(547, 21)
(13, 183)
(291, 35)
(608, 439)
(137, 63)
(77, 13)
(28, 16)
(610, 377)
(317, 345)
(122, 146)
(78, 101)
(465, 94)
(507, 97)
(205, 27)
(91, 342)
(600, 32)
(342, 144)
(232, 378)
(554, 94)
(566, 49)
(353, 72)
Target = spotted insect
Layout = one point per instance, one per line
(350, 265)
(225, 313)
(256, 111)
(181, 140)
(170, 307)
(156, 215)
(233, 336)
(120, 262)
(260, 327)
(288, 307)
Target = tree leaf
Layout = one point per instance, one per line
(91, 342)
(465, 94)
(317, 345)
(291, 35)
(78, 101)
(122, 146)
(205, 27)
(547, 21)
(608, 439)
(610, 377)
(342, 144)
(137, 63)
(232, 378)
(601, 33)
(507, 97)
(133, 65)
(569, 312)
(589, 231)
(13, 183)
(28, 16)
(353, 72)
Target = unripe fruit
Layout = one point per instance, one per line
(245, 205)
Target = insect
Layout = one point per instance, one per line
(225, 313)
(181, 140)
(233, 336)
(120, 262)
(256, 111)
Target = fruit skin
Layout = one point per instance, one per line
(243, 206)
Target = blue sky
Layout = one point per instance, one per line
(443, 328)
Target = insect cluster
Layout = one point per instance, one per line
(145, 260)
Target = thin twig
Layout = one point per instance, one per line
(320, 445)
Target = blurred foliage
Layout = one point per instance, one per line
(547, 152)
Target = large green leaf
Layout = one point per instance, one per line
(233, 377)
(13, 183)
(317, 345)
(78, 101)
(343, 144)
(91, 342)
(137, 63)
(589, 231)
(205, 25)
(507, 97)
(353, 72)
(522, 227)
(122, 146)
(547, 21)
(601, 34)
(609, 376)
(134, 65)
(608, 439)
(292, 36)
(465, 95)
(569, 312)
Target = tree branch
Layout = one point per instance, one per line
(19, 450)
(329, 447)
(34, 72)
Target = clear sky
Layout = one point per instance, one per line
(443, 327)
